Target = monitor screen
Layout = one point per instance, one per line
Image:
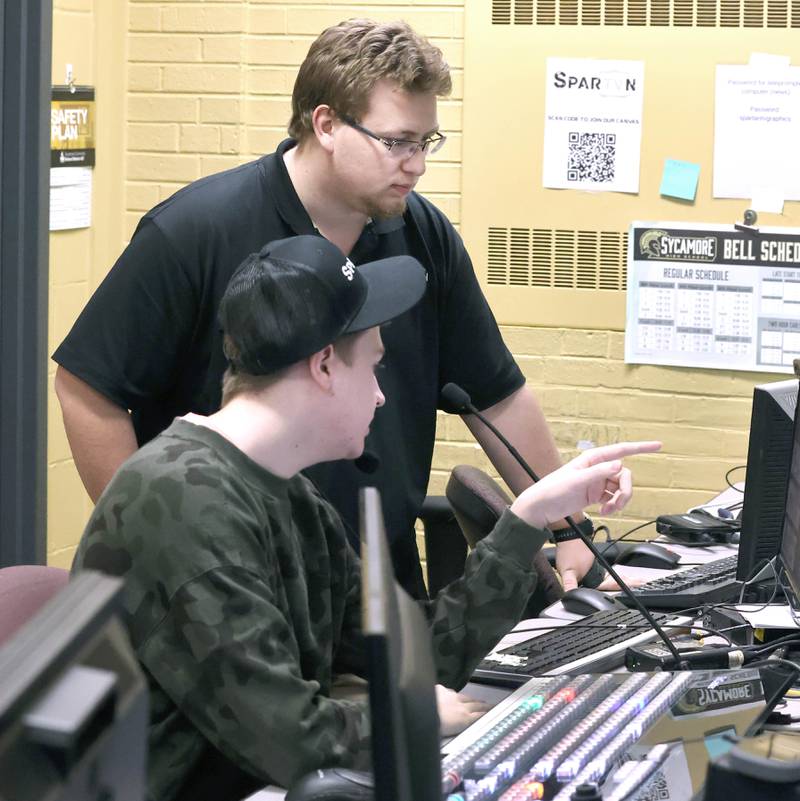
(790, 543)
(73, 701)
(405, 723)
(769, 454)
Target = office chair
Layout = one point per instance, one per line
(445, 546)
(478, 501)
(23, 590)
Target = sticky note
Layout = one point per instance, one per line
(680, 179)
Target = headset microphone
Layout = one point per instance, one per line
(459, 401)
(368, 462)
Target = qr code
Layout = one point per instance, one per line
(655, 789)
(591, 156)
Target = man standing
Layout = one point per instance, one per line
(242, 595)
(147, 347)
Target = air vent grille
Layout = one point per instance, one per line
(562, 259)
(501, 12)
(658, 13)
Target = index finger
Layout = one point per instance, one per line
(606, 453)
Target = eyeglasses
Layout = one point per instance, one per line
(400, 148)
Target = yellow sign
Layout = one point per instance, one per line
(72, 127)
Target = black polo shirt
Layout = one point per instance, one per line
(149, 338)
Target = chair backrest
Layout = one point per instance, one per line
(24, 589)
(478, 501)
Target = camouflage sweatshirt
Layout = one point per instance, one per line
(243, 604)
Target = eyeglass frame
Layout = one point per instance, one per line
(429, 145)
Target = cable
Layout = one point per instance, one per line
(728, 479)
(795, 668)
(607, 543)
(685, 544)
(751, 577)
(626, 626)
(786, 592)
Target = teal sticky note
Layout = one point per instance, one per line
(680, 179)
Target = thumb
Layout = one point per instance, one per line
(569, 578)
(601, 471)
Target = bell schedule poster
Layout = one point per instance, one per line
(713, 296)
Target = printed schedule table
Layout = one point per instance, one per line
(713, 296)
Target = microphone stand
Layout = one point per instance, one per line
(461, 401)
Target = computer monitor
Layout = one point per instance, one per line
(401, 673)
(769, 455)
(73, 702)
(790, 542)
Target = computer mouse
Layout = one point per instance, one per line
(648, 554)
(584, 601)
(333, 784)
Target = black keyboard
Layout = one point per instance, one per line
(713, 582)
(574, 648)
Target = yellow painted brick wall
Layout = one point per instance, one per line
(89, 34)
(70, 256)
(207, 85)
(589, 393)
(210, 86)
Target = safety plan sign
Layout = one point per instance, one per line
(72, 156)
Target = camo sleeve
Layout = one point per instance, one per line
(229, 660)
(350, 653)
(470, 616)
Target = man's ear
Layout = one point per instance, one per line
(323, 118)
(321, 366)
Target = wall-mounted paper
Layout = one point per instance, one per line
(70, 198)
(756, 131)
(767, 198)
(769, 60)
(593, 124)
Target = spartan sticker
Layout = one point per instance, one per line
(650, 243)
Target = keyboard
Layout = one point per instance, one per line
(594, 643)
(713, 582)
(633, 734)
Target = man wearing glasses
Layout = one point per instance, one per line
(148, 348)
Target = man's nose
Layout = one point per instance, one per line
(416, 164)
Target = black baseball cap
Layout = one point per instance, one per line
(297, 295)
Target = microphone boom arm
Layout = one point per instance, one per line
(461, 401)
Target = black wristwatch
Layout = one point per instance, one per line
(586, 527)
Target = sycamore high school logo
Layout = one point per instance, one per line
(706, 699)
(348, 270)
(656, 244)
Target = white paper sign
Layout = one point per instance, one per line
(593, 124)
(756, 131)
(70, 198)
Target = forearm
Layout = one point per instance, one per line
(521, 421)
(100, 433)
(470, 615)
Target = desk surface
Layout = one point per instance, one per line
(776, 616)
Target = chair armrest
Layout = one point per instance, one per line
(445, 546)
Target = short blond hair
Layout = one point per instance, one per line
(346, 61)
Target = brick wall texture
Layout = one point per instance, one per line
(208, 87)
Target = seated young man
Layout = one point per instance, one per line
(242, 592)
